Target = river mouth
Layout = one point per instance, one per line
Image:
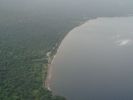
(94, 61)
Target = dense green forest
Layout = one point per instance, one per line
(24, 42)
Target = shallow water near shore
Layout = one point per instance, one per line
(95, 61)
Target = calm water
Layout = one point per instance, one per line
(95, 61)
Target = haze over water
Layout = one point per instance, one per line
(95, 61)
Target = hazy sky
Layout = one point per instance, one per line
(84, 7)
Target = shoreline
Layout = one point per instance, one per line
(51, 56)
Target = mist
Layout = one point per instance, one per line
(69, 8)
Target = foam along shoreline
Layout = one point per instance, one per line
(49, 71)
(49, 68)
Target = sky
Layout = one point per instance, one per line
(70, 7)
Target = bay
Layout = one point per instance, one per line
(95, 61)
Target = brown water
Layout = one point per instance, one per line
(95, 61)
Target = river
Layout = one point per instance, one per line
(95, 61)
